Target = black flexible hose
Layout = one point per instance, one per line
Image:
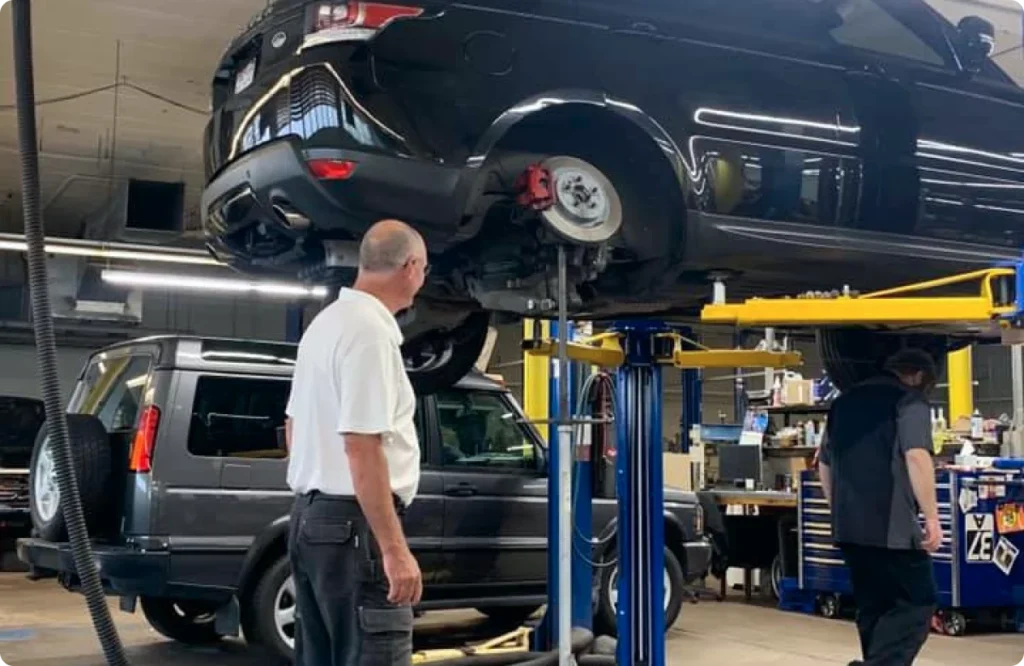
(46, 344)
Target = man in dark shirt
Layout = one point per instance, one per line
(877, 474)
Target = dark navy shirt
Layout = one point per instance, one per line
(869, 431)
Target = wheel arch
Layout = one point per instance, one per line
(582, 100)
(269, 545)
(674, 533)
(613, 131)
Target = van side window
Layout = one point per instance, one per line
(480, 429)
(238, 417)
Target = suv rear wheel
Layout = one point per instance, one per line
(185, 621)
(273, 609)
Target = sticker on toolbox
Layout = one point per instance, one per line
(980, 529)
(1005, 555)
(968, 499)
(1010, 518)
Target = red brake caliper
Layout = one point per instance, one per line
(535, 189)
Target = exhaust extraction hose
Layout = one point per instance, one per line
(46, 344)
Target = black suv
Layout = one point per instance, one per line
(784, 144)
(179, 447)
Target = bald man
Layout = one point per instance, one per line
(355, 465)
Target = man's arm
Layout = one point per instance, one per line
(373, 490)
(922, 478)
(288, 434)
(915, 442)
(365, 414)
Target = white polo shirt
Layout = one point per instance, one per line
(349, 377)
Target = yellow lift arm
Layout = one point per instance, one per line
(910, 304)
(605, 350)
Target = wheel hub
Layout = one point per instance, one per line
(581, 196)
(46, 489)
(284, 612)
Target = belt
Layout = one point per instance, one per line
(313, 495)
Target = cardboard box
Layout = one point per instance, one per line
(798, 392)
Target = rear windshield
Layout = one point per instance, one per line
(112, 389)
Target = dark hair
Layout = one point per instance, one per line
(909, 361)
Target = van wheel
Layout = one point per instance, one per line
(185, 621)
(90, 455)
(274, 611)
(609, 595)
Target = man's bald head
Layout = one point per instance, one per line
(388, 245)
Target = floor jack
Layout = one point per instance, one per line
(637, 351)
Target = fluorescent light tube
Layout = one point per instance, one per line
(99, 252)
(208, 284)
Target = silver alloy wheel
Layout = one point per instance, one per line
(587, 209)
(284, 612)
(46, 489)
(613, 589)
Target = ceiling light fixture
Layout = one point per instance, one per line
(214, 285)
(107, 251)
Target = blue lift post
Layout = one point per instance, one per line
(641, 607)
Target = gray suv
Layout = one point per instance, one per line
(178, 443)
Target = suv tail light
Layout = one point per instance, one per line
(351, 21)
(141, 458)
(698, 521)
(328, 169)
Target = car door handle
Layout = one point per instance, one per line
(461, 490)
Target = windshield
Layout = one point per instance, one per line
(112, 389)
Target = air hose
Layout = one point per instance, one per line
(46, 344)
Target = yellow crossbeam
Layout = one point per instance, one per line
(734, 358)
(605, 350)
(903, 305)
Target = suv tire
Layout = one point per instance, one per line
(606, 619)
(189, 622)
(275, 592)
(91, 457)
(437, 360)
(853, 355)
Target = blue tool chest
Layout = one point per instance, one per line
(980, 565)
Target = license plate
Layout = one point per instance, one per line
(245, 76)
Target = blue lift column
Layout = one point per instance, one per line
(640, 489)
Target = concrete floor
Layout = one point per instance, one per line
(41, 625)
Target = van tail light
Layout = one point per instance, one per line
(352, 21)
(328, 169)
(141, 458)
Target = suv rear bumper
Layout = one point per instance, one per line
(124, 572)
(243, 195)
(698, 559)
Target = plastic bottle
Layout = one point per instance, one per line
(809, 433)
(940, 422)
(777, 393)
(977, 425)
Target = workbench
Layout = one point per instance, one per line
(762, 537)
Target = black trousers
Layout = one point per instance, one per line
(896, 596)
(343, 617)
